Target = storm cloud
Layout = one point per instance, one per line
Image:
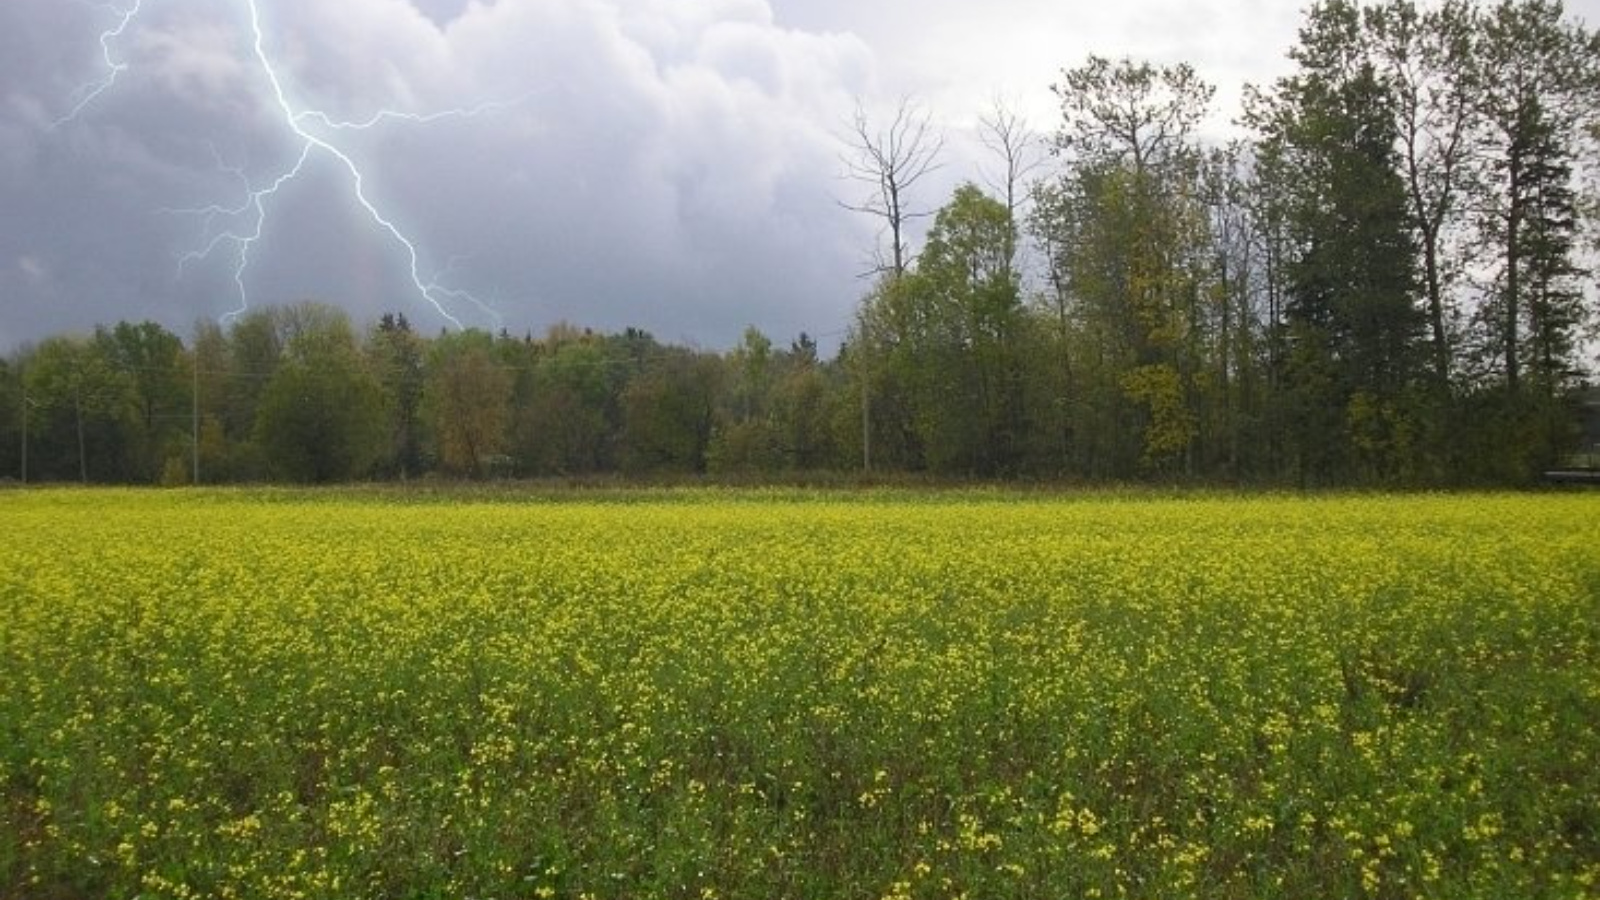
(667, 164)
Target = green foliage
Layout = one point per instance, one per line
(1171, 427)
(1382, 437)
(254, 349)
(396, 356)
(1127, 236)
(941, 342)
(669, 414)
(83, 421)
(568, 421)
(321, 417)
(751, 365)
(751, 438)
(1545, 88)
(11, 411)
(1351, 311)
(152, 360)
(466, 400)
(801, 415)
(754, 446)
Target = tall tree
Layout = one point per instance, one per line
(890, 161)
(468, 402)
(1539, 78)
(1236, 319)
(747, 437)
(1016, 150)
(800, 397)
(256, 348)
(1130, 239)
(153, 361)
(966, 274)
(945, 338)
(568, 421)
(1426, 57)
(86, 413)
(751, 370)
(321, 415)
(210, 359)
(396, 356)
(1351, 314)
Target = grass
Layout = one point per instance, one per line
(716, 693)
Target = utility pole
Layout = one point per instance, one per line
(863, 367)
(194, 401)
(866, 419)
(77, 409)
(26, 402)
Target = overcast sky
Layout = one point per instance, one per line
(667, 164)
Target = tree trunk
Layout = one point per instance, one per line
(83, 458)
(1435, 288)
(866, 420)
(1513, 271)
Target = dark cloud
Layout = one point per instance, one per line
(668, 164)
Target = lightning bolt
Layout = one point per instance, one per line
(92, 91)
(240, 226)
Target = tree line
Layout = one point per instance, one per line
(1384, 283)
(299, 394)
(1381, 284)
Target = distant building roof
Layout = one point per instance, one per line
(1589, 418)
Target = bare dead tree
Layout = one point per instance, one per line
(1017, 149)
(890, 160)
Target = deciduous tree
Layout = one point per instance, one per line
(321, 416)
(468, 402)
(889, 161)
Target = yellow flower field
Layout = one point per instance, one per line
(279, 694)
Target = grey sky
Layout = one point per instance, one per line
(669, 164)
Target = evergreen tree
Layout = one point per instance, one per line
(1350, 315)
(396, 357)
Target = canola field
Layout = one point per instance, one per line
(701, 694)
